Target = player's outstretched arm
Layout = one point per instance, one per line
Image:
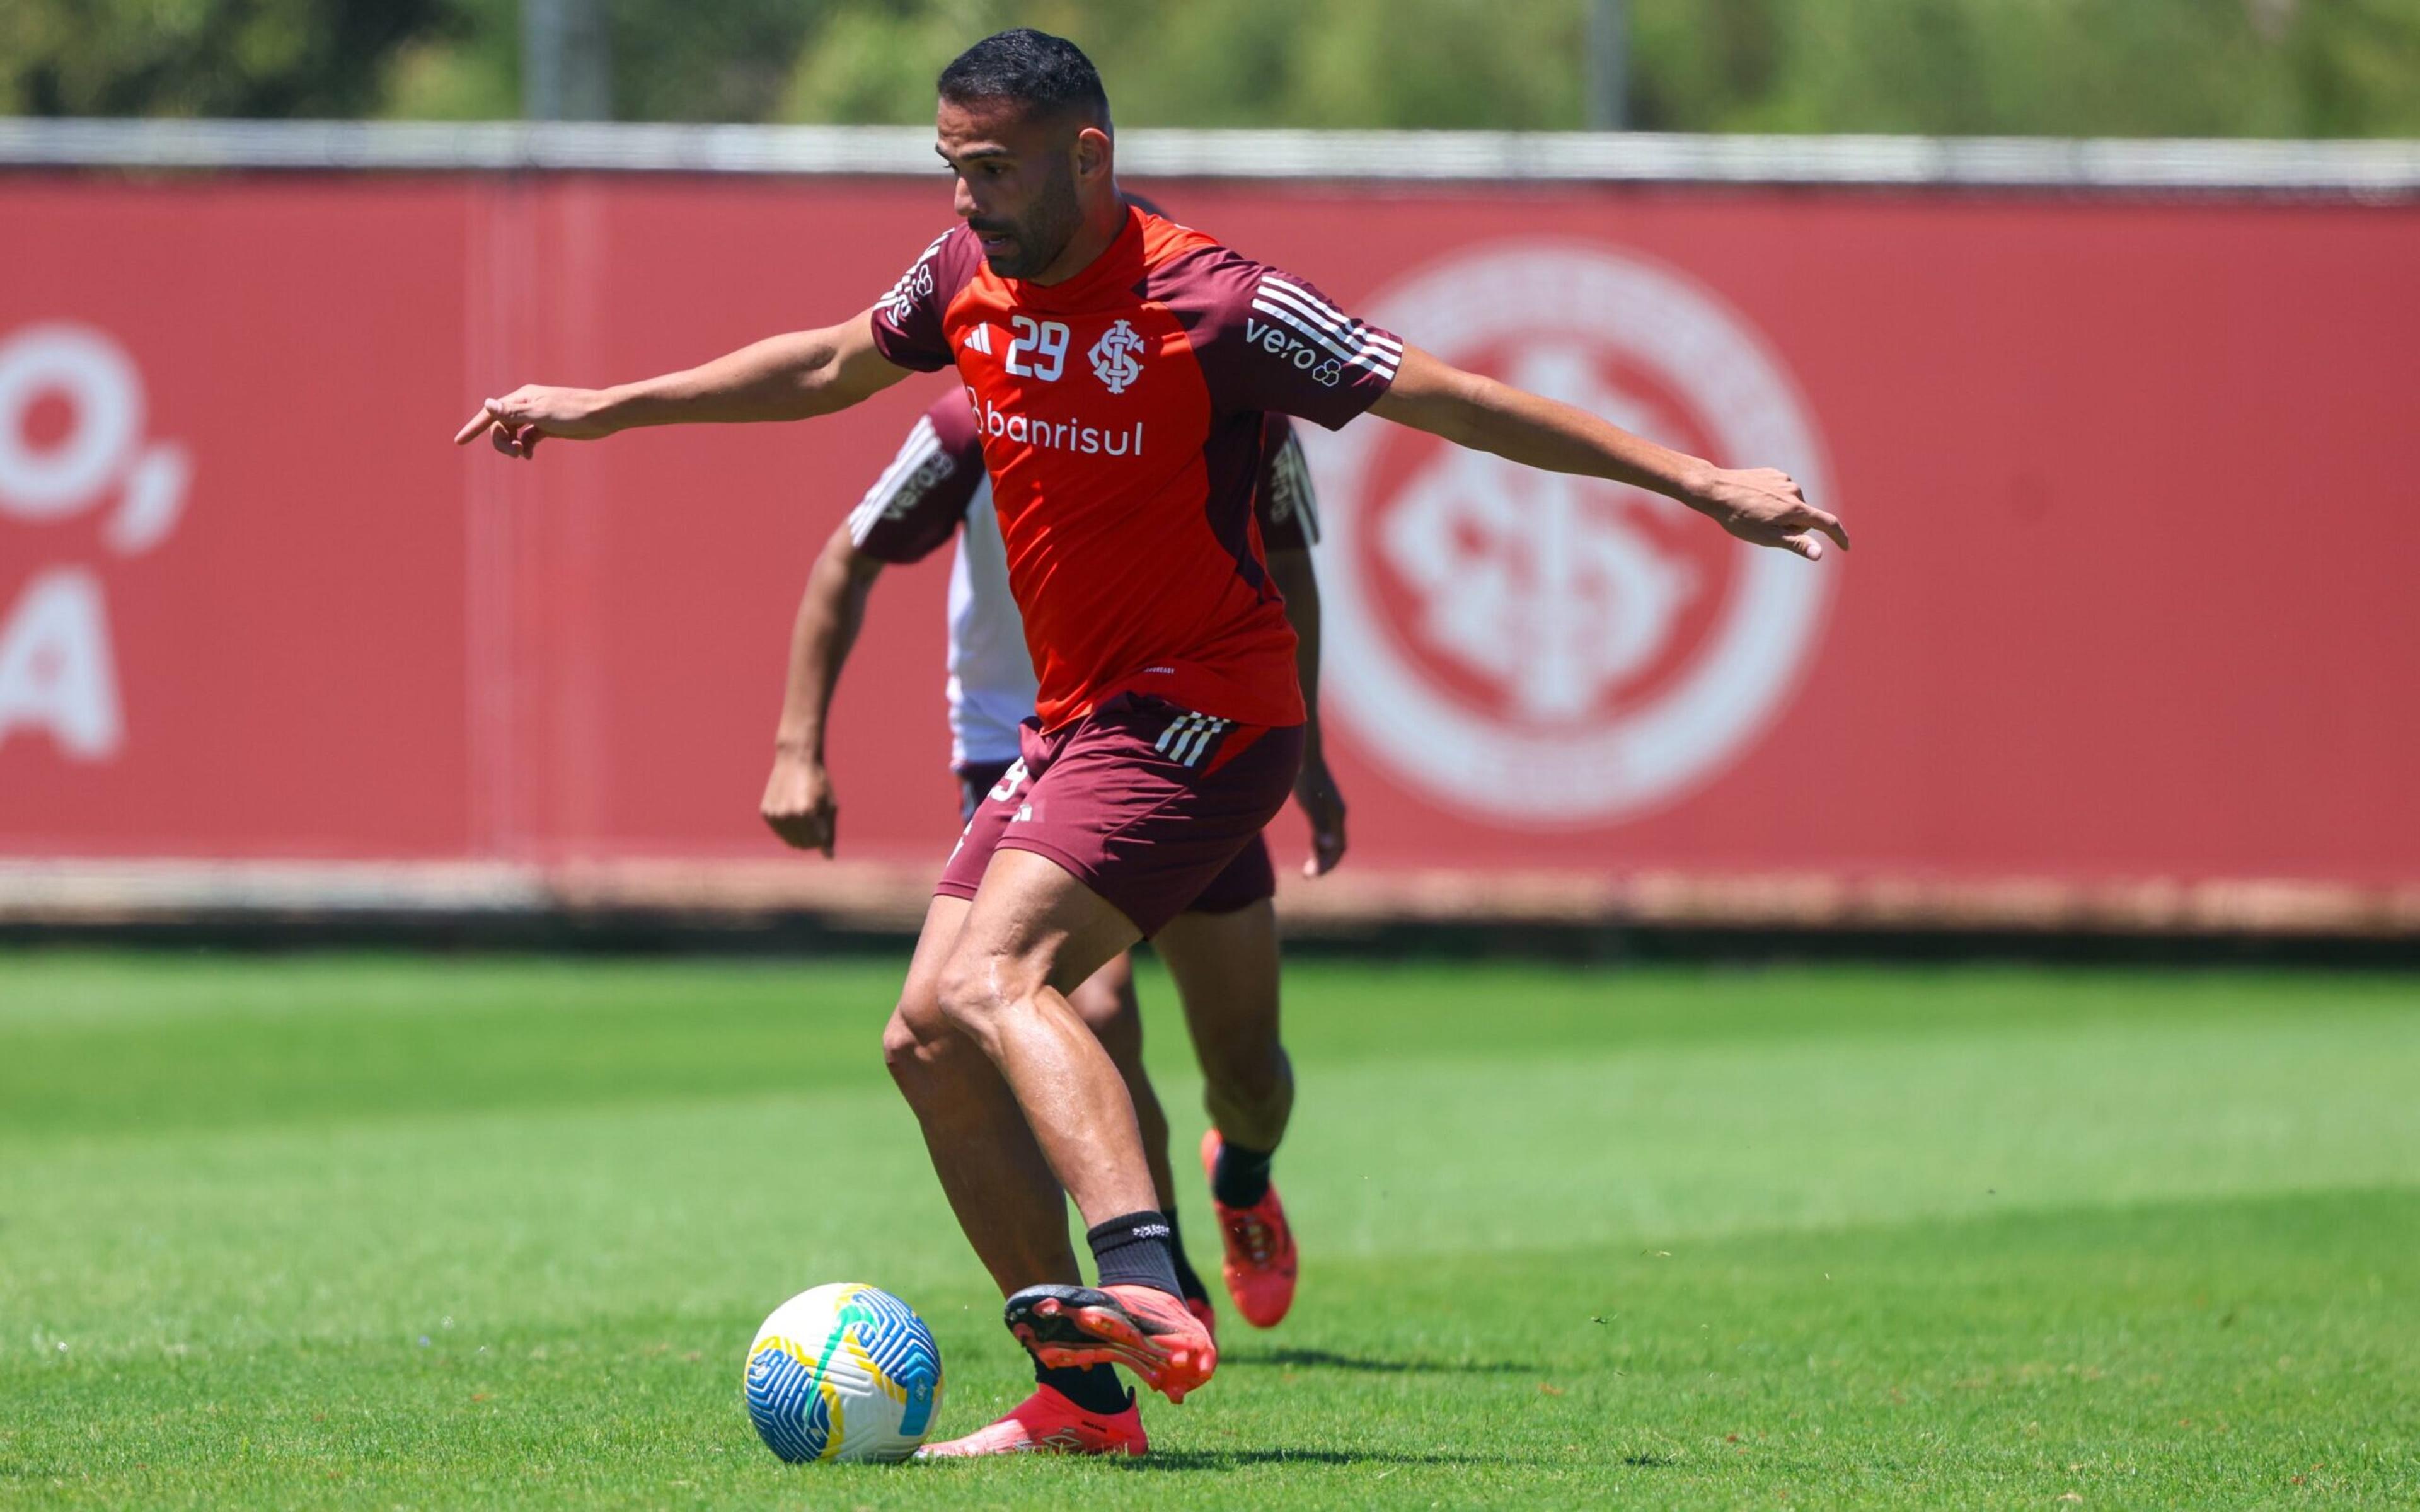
(796, 376)
(1758, 504)
(1315, 788)
(798, 805)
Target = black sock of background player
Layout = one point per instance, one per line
(1241, 1178)
(1133, 1251)
(1188, 1284)
(1096, 1388)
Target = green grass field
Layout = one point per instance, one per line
(382, 1231)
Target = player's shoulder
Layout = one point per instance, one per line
(1163, 239)
(1196, 275)
(943, 268)
(1171, 250)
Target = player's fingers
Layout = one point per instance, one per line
(472, 427)
(500, 435)
(527, 436)
(1805, 544)
(1830, 525)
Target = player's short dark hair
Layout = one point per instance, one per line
(1049, 75)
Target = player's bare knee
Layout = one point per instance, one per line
(904, 1050)
(1256, 1080)
(1248, 1070)
(973, 993)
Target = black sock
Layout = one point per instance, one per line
(1092, 1387)
(1133, 1251)
(1241, 1178)
(1188, 1284)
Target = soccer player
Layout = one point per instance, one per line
(1119, 365)
(1222, 949)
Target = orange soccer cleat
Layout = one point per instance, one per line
(1261, 1262)
(1145, 1329)
(1048, 1423)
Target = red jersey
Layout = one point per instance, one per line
(917, 504)
(1121, 418)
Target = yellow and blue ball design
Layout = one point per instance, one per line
(844, 1372)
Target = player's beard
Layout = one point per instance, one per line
(1044, 230)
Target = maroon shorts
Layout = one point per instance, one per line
(1157, 810)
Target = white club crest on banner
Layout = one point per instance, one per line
(1619, 673)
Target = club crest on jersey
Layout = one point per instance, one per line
(1117, 357)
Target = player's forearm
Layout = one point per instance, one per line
(789, 376)
(1300, 583)
(831, 613)
(1477, 411)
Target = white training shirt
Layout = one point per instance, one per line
(991, 674)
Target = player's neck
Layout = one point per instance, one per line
(1103, 224)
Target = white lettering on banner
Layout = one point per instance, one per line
(57, 670)
(57, 675)
(102, 448)
(1526, 648)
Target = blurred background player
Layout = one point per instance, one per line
(1222, 951)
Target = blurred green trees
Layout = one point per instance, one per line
(2270, 67)
(211, 58)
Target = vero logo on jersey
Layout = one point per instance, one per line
(1316, 336)
(1117, 357)
(1289, 348)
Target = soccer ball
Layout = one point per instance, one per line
(844, 1372)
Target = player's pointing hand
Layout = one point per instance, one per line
(1764, 505)
(519, 421)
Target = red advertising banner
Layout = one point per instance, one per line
(2132, 594)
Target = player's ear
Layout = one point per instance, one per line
(1092, 153)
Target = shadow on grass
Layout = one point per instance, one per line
(1330, 1360)
(1239, 1458)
